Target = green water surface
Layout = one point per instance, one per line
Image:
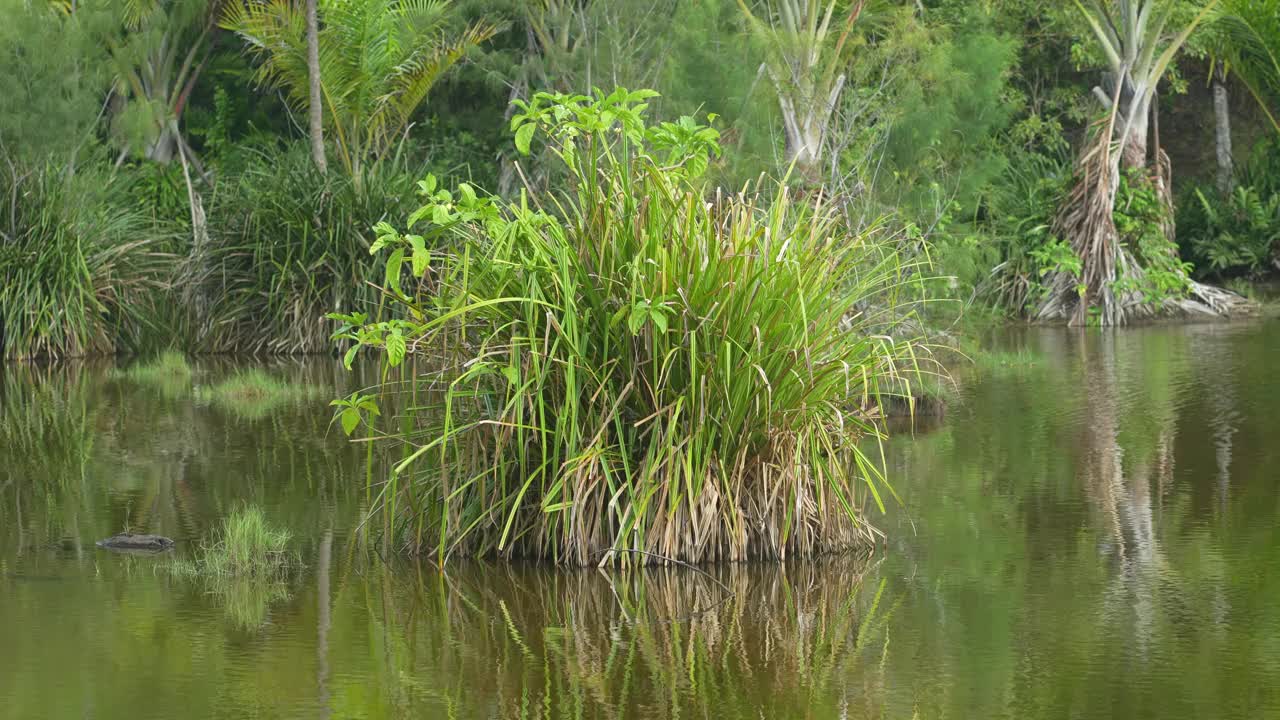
(1092, 532)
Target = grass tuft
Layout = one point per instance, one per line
(246, 546)
(253, 394)
(169, 372)
(80, 273)
(246, 567)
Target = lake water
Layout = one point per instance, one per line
(1092, 532)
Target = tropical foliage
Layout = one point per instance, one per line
(378, 61)
(1253, 29)
(950, 122)
(630, 366)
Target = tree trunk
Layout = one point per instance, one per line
(1135, 149)
(803, 151)
(313, 74)
(161, 150)
(1222, 114)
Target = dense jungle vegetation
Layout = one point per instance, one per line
(207, 173)
(656, 263)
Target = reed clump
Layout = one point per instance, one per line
(633, 363)
(253, 394)
(287, 245)
(247, 546)
(80, 271)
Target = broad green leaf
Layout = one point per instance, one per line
(524, 136)
(659, 320)
(468, 194)
(393, 271)
(350, 356)
(350, 419)
(395, 348)
(636, 321)
(418, 215)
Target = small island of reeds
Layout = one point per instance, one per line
(637, 362)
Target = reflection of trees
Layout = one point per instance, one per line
(85, 454)
(323, 563)
(1095, 539)
(1134, 396)
(1125, 498)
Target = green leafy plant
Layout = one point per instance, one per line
(378, 61)
(1237, 234)
(1141, 218)
(630, 364)
(1056, 256)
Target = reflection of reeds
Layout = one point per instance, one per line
(169, 373)
(254, 394)
(245, 602)
(522, 642)
(47, 436)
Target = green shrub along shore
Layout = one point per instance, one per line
(656, 321)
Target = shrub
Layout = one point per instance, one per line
(631, 365)
(80, 269)
(1232, 235)
(1020, 215)
(287, 246)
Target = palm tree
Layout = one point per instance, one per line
(377, 61)
(158, 59)
(315, 114)
(1251, 29)
(1132, 36)
(805, 66)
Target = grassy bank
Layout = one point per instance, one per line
(632, 364)
(81, 270)
(105, 261)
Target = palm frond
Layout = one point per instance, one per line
(378, 61)
(1251, 29)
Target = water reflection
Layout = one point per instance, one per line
(1094, 536)
(514, 642)
(1089, 535)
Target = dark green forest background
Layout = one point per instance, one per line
(164, 183)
